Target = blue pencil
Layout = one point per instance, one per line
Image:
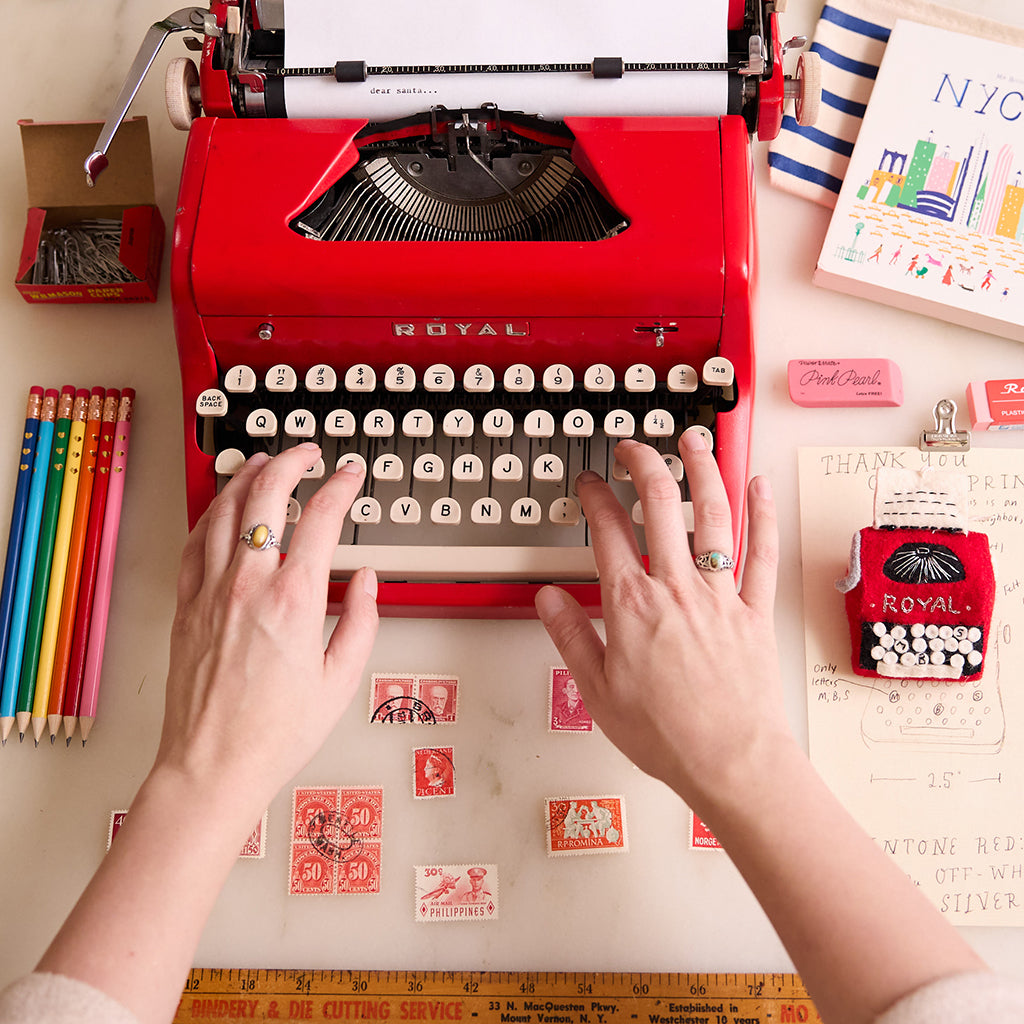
(27, 563)
(18, 513)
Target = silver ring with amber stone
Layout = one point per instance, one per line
(259, 537)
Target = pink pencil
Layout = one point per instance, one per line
(105, 566)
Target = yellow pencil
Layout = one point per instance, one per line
(58, 570)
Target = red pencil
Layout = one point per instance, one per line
(90, 561)
(69, 603)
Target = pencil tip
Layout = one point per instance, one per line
(52, 738)
(67, 742)
(21, 737)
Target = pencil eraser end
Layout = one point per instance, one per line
(52, 393)
(82, 393)
(35, 390)
(996, 404)
(68, 389)
(128, 393)
(820, 383)
(99, 392)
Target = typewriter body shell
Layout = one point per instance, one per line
(688, 258)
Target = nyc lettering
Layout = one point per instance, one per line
(908, 604)
(1010, 106)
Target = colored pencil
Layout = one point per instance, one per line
(44, 559)
(105, 569)
(58, 568)
(76, 548)
(90, 561)
(18, 513)
(27, 562)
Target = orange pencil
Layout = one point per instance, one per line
(90, 561)
(69, 603)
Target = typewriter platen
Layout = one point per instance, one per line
(474, 301)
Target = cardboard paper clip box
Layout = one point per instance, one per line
(58, 198)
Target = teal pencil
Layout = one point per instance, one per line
(44, 560)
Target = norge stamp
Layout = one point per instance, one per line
(585, 824)
(457, 892)
(566, 712)
(433, 772)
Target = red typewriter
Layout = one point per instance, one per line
(475, 301)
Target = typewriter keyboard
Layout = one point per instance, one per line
(469, 476)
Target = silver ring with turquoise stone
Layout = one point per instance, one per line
(259, 537)
(714, 561)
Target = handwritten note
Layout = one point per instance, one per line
(946, 803)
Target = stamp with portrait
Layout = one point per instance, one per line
(398, 698)
(566, 712)
(585, 824)
(441, 695)
(433, 772)
(456, 892)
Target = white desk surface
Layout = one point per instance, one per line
(657, 908)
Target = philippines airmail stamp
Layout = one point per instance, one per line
(456, 892)
(585, 824)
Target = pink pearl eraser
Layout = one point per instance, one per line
(817, 383)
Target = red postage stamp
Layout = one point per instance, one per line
(585, 824)
(457, 892)
(701, 837)
(362, 807)
(433, 772)
(361, 874)
(566, 712)
(405, 699)
(310, 873)
(441, 696)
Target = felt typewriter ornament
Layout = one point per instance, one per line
(920, 587)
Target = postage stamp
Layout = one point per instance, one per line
(701, 837)
(433, 772)
(566, 712)
(585, 824)
(457, 892)
(441, 695)
(335, 828)
(405, 699)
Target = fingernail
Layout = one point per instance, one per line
(259, 459)
(549, 601)
(693, 441)
(588, 476)
(351, 467)
(762, 487)
(370, 581)
(310, 446)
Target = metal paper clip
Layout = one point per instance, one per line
(945, 437)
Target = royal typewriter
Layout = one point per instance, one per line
(433, 246)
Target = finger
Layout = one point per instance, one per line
(266, 503)
(712, 517)
(316, 536)
(761, 568)
(353, 636)
(573, 633)
(612, 537)
(668, 545)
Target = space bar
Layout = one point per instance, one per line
(467, 564)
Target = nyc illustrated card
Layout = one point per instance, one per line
(456, 892)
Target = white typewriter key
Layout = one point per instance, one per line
(300, 423)
(498, 423)
(468, 469)
(321, 378)
(519, 378)
(478, 377)
(418, 423)
(564, 511)
(549, 468)
(578, 423)
(659, 423)
(718, 371)
(599, 377)
(639, 377)
(339, 423)
(281, 378)
(458, 423)
(240, 379)
(709, 438)
(486, 511)
(360, 378)
(348, 458)
(507, 468)
(688, 515)
(637, 513)
(446, 512)
(439, 377)
(619, 423)
(405, 510)
(558, 378)
(682, 378)
(378, 423)
(261, 423)
(228, 462)
(388, 467)
(619, 472)
(293, 510)
(428, 468)
(539, 423)
(212, 402)
(675, 465)
(315, 472)
(525, 512)
(365, 510)
(400, 377)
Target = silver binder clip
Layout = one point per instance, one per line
(945, 437)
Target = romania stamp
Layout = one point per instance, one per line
(433, 772)
(566, 712)
(457, 892)
(585, 824)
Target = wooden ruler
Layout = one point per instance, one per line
(506, 997)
